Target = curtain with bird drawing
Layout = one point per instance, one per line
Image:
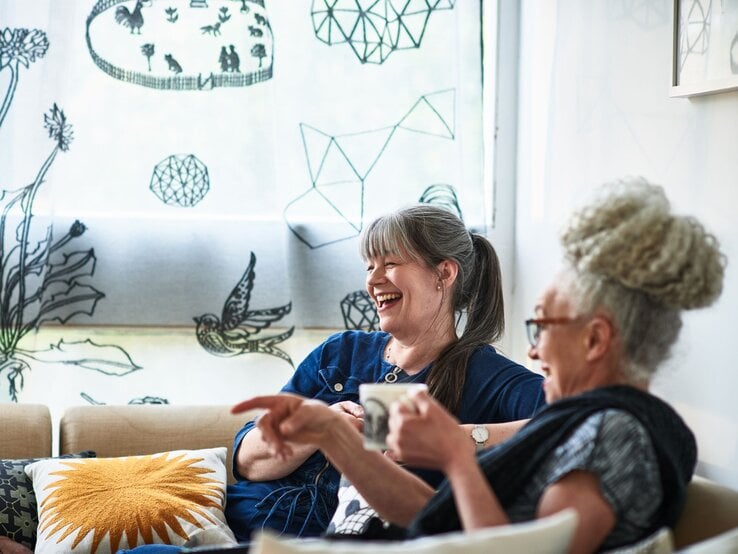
(183, 182)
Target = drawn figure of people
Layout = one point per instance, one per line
(223, 59)
(234, 62)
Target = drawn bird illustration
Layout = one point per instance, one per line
(233, 333)
(133, 19)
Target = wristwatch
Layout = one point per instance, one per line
(479, 435)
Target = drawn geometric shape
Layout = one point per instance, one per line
(359, 312)
(433, 114)
(694, 31)
(333, 208)
(362, 150)
(189, 45)
(374, 28)
(317, 221)
(335, 167)
(409, 29)
(180, 180)
(346, 198)
(444, 196)
(316, 144)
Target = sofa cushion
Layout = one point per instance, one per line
(26, 431)
(103, 504)
(723, 543)
(134, 430)
(711, 509)
(18, 512)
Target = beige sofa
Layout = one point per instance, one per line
(111, 431)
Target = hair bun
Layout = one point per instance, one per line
(630, 235)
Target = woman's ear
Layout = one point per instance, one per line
(599, 338)
(448, 270)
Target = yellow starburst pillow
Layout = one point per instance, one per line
(173, 497)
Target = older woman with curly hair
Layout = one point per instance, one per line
(604, 445)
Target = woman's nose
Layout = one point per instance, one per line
(533, 352)
(376, 275)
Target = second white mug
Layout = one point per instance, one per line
(376, 399)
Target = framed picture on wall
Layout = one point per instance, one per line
(705, 47)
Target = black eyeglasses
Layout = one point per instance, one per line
(534, 326)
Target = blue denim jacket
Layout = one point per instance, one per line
(496, 390)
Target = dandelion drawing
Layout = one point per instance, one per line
(19, 46)
(39, 282)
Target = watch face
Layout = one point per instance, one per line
(480, 434)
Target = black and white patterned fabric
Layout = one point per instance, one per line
(353, 514)
(18, 507)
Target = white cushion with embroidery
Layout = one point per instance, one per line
(549, 535)
(100, 505)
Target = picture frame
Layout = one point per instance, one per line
(704, 47)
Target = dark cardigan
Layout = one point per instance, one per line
(510, 465)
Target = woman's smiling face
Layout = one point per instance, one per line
(408, 295)
(560, 346)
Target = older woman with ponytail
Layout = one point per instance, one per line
(424, 271)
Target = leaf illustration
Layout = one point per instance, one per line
(76, 294)
(77, 264)
(42, 247)
(33, 266)
(105, 358)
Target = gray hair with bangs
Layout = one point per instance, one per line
(429, 234)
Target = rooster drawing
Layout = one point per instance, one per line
(133, 19)
(233, 334)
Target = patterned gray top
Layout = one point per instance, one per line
(614, 446)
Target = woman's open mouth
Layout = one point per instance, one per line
(385, 300)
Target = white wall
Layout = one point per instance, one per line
(594, 105)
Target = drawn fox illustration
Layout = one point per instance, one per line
(173, 64)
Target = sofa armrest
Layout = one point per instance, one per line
(26, 431)
(710, 509)
(130, 430)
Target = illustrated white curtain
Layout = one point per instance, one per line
(221, 157)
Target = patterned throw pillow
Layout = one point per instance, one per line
(18, 513)
(353, 514)
(104, 504)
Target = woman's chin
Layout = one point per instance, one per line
(550, 390)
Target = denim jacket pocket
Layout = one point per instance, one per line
(338, 385)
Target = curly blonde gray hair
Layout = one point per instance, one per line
(629, 255)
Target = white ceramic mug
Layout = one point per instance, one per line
(376, 398)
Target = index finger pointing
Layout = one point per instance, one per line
(263, 402)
